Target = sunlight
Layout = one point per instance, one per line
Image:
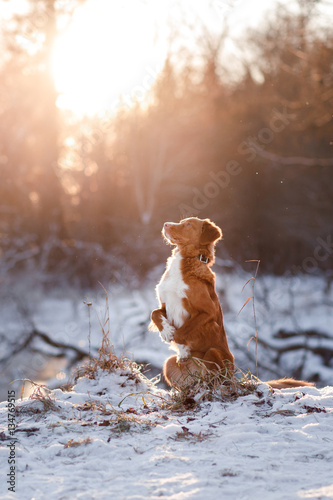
(109, 50)
(113, 51)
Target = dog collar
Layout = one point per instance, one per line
(203, 259)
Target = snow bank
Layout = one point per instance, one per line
(114, 437)
(294, 320)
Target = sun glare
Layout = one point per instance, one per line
(108, 51)
(113, 50)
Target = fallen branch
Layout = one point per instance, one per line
(292, 160)
(80, 354)
(323, 351)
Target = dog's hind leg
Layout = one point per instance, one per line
(180, 374)
(215, 359)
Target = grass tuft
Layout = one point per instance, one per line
(191, 437)
(206, 385)
(74, 444)
(106, 359)
(40, 393)
(44, 398)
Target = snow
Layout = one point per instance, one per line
(298, 304)
(272, 445)
(113, 438)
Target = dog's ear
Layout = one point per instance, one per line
(210, 232)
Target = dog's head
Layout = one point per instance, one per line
(194, 232)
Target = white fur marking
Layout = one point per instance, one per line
(183, 352)
(171, 290)
(168, 331)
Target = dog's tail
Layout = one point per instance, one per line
(285, 383)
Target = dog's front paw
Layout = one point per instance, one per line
(182, 360)
(168, 332)
(184, 353)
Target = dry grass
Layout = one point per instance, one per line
(91, 405)
(206, 385)
(203, 385)
(130, 422)
(191, 437)
(41, 393)
(106, 359)
(45, 399)
(74, 444)
(109, 362)
(200, 386)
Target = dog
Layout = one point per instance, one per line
(190, 316)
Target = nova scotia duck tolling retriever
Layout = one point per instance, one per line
(189, 316)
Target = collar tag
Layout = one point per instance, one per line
(203, 259)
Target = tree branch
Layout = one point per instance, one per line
(80, 354)
(292, 160)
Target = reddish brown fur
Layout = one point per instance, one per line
(285, 383)
(202, 331)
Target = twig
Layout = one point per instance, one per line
(89, 304)
(255, 337)
(292, 160)
(80, 354)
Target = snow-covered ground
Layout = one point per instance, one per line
(93, 443)
(294, 318)
(264, 445)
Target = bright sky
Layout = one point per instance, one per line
(111, 48)
(116, 48)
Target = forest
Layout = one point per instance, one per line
(116, 117)
(241, 137)
(248, 145)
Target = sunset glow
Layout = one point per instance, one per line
(109, 50)
(112, 51)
